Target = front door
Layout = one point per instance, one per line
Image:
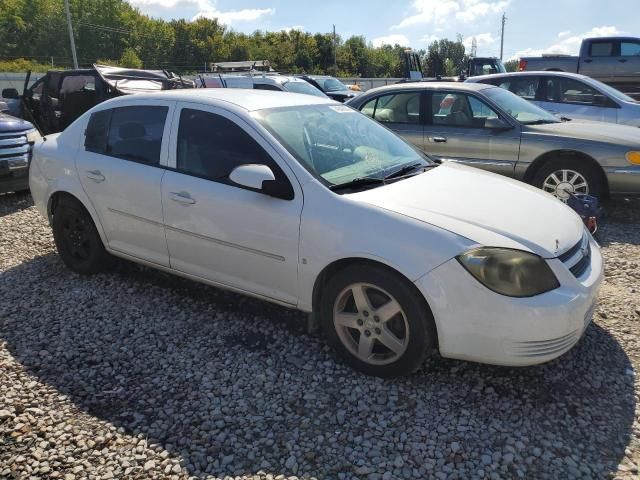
(456, 131)
(601, 61)
(401, 113)
(628, 69)
(120, 168)
(218, 230)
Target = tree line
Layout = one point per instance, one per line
(115, 32)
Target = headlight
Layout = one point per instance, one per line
(509, 272)
(33, 136)
(633, 157)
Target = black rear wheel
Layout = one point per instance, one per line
(77, 239)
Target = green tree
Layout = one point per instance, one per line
(445, 57)
(130, 59)
(511, 65)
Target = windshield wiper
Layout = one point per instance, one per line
(406, 169)
(358, 182)
(541, 122)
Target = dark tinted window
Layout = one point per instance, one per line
(136, 133)
(211, 146)
(601, 49)
(264, 86)
(95, 139)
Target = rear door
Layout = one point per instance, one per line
(121, 167)
(601, 61)
(573, 98)
(455, 130)
(400, 112)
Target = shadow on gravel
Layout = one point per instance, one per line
(234, 386)
(14, 202)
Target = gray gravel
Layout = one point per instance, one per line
(137, 374)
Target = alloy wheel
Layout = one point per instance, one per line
(371, 324)
(563, 183)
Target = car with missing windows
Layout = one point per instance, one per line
(491, 128)
(304, 202)
(569, 95)
(258, 81)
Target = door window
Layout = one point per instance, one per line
(130, 133)
(264, 86)
(480, 111)
(211, 146)
(525, 87)
(601, 49)
(451, 109)
(630, 49)
(394, 108)
(573, 91)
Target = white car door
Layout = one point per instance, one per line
(121, 166)
(220, 231)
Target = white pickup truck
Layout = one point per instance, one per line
(612, 60)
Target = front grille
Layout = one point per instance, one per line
(14, 149)
(578, 258)
(543, 348)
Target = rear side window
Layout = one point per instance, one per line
(265, 86)
(601, 49)
(130, 133)
(211, 146)
(394, 108)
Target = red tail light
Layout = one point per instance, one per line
(522, 66)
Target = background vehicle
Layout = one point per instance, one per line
(570, 95)
(612, 60)
(330, 86)
(258, 81)
(61, 96)
(491, 128)
(16, 139)
(288, 197)
(474, 66)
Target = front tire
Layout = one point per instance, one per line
(77, 239)
(377, 321)
(566, 176)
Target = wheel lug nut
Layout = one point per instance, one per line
(367, 333)
(378, 331)
(360, 322)
(376, 319)
(365, 313)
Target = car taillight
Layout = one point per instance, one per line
(522, 65)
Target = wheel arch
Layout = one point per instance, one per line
(58, 195)
(547, 157)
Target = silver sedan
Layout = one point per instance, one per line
(491, 128)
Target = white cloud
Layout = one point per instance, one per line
(390, 40)
(438, 12)
(231, 16)
(570, 45)
(564, 34)
(429, 39)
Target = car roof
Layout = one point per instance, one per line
(246, 99)
(431, 86)
(479, 78)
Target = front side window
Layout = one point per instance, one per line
(451, 110)
(211, 146)
(525, 87)
(573, 91)
(130, 133)
(518, 108)
(630, 49)
(333, 85)
(338, 144)
(601, 49)
(394, 108)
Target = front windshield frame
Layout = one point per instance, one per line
(419, 156)
(504, 99)
(307, 89)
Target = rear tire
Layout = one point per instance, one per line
(377, 321)
(77, 239)
(563, 176)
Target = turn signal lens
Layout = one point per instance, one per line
(633, 157)
(513, 273)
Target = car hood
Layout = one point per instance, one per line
(589, 130)
(9, 123)
(484, 207)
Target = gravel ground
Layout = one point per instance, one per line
(137, 374)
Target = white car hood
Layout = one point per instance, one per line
(484, 207)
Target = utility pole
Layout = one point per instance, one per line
(73, 43)
(504, 20)
(335, 61)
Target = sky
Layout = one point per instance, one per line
(532, 26)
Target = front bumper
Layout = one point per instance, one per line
(13, 179)
(477, 324)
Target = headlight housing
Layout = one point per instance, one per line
(513, 273)
(33, 136)
(633, 158)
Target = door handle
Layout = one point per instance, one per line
(96, 176)
(622, 60)
(438, 139)
(587, 60)
(182, 197)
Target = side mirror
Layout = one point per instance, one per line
(260, 177)
(495, 123)
(10, 93)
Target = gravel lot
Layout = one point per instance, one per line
(137, 374)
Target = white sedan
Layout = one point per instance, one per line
(304, 202)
